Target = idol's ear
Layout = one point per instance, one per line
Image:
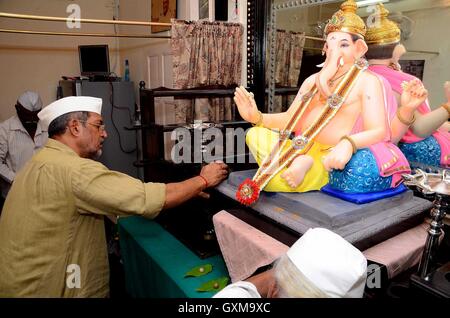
(324, 49)
(399, 50)
(361, 48)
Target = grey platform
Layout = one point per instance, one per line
(354, 222)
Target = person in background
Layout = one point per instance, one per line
(321, 264)
(52, 235)
(20, 137)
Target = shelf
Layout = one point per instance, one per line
(171, 127)
(209, 92)
(226, 159)
(285, 90)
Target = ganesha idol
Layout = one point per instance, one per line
(340, 120)
(424, 137)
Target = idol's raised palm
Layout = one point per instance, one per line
(246, 105)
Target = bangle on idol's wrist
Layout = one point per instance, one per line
(260, 119)
(349, 139)
(446, 106)
(403, 120)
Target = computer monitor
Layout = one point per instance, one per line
(94, 60)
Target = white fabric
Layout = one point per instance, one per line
(30, 100)
(16, 148)
(330, 262)
(67, 105)
(239, 290)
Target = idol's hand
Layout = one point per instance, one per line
(246, 105)
(338, 156)
(413, 94)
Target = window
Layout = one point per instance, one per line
(203, 9)
(213, 10)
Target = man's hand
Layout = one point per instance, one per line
(339, 156)
(180, 192)
(214, 173)
(246, 105)
(413, 94)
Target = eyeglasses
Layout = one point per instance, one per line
(101, 127)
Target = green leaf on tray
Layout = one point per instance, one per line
(213, 285)
(199, 270)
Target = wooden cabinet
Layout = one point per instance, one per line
(157, 166)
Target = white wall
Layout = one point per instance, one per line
(305, 19)
(138, 50)
(37, 62)
(430, 33)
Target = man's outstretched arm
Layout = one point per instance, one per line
(179, 192)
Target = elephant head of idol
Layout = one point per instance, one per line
(344, 45)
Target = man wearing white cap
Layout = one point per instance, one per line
(52, 236)
(321, 264)
(20, 137)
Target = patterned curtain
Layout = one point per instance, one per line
(204, 54)
(289, 46)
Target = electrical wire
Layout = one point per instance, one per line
(113, 106)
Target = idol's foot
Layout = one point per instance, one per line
(295, 174)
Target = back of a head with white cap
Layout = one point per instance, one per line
(239, 289)
(330, 263)
(30, 101)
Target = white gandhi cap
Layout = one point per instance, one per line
(239, 289)
(30, 100)
(330, 262)
(67, 105)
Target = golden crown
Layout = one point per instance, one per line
(346, 20)
(382, 30)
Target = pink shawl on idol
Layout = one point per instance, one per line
(395, 78)
(390, 160)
